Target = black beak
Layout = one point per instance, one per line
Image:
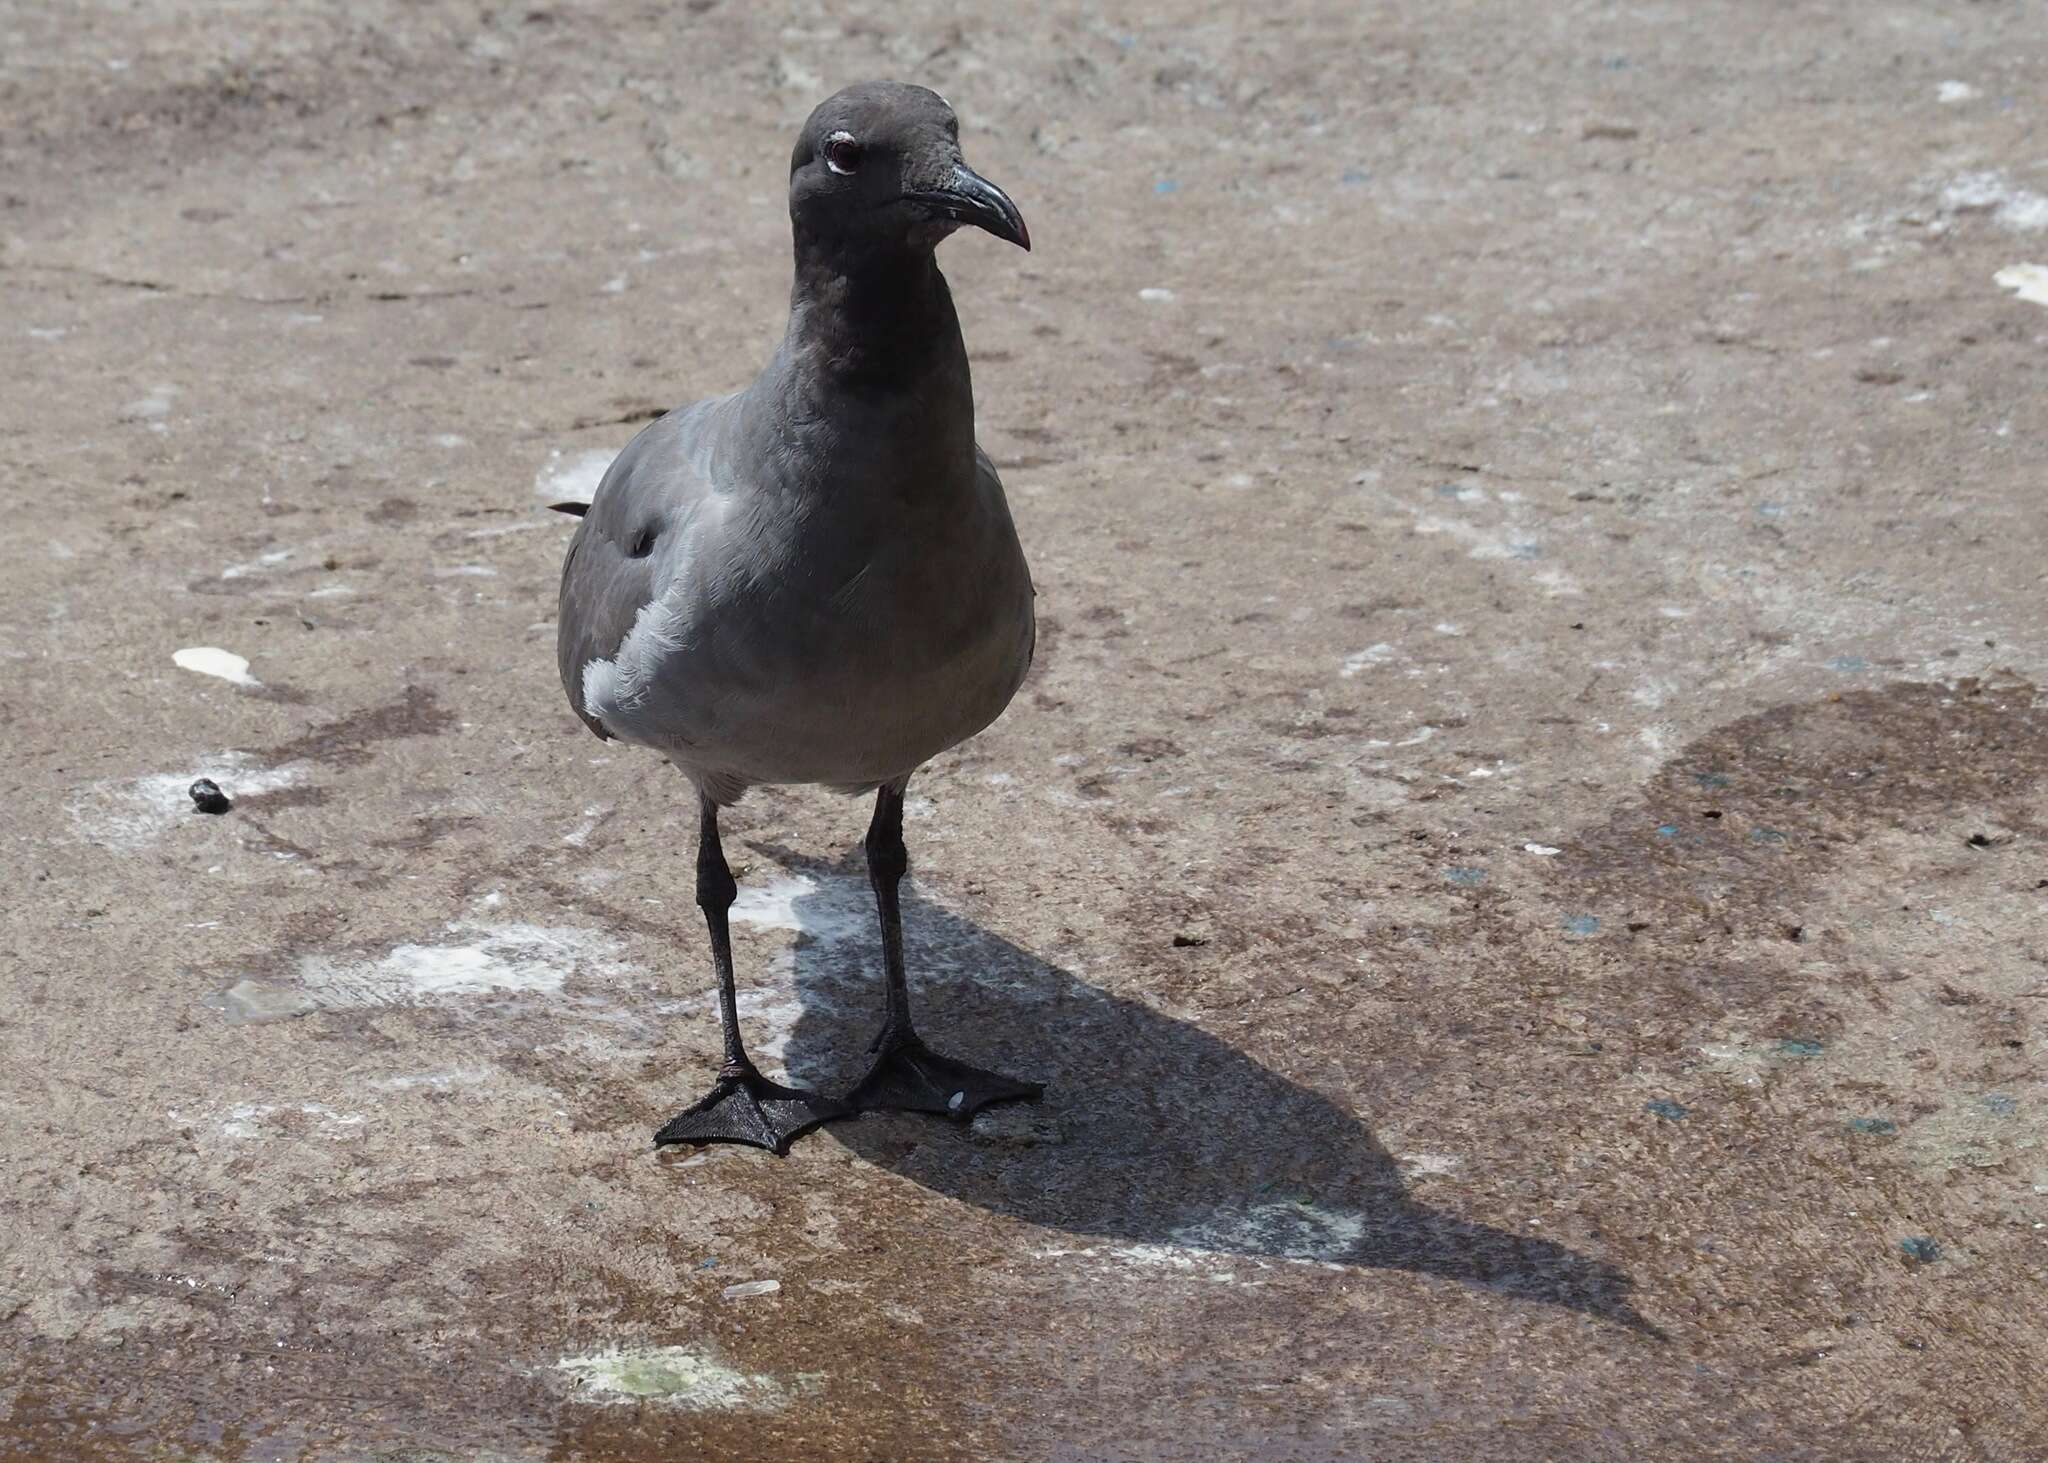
(973, 199)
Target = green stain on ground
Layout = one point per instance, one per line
(683, 1376)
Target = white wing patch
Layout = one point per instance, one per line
(617, 692)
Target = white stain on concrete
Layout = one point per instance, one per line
(1155, 296)
(1541, 850)
(1372, 655)
(1949, 93)
(834, 913)
(435, 1081)
(1428, 1165)
(1287, 1230)
(151, 408)
(2009, 205)
(2028, 281)
(211, 660)
(128, 814)
(572, 477)
(248, 1120)
(1283, 1230)
(473, 960)
(262, 563)
(678, 1376)
(593, 819)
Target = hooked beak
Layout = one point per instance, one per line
(972, 199)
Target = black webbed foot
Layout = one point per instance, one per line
(746, 1107)
(911, 1077)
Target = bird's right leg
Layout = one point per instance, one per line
(744, 1107)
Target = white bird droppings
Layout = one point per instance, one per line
(256, 565)
(2010, 207)
(151, 408)
(211, 660)
(2028, 281)
(1372, 655)
(126, 815)
(1951, 92)
(1155, 296)
(476, 960)
(829, 914)
(749, 1288)
(248, 1119)
(1541, 850)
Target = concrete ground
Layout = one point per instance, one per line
(1520, 860)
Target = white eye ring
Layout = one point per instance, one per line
(836, 140)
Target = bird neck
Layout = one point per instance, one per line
(877, 321)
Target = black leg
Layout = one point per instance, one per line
(908, 1075)
(744, 1107)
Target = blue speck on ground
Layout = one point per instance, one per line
(1766, 835)
(709, 1263)
(1581, 924)
(1616, 63)
(1794, 1046)
(1525, 550)
(1663, 1107)
(2000, 1104)
(1449, 490)
(1848, 663)
(1712, 779)
(1920, 1247)
(1166, 185)
(1770, 510)
(1356, 176)
(1873, 1125)
(1667, 830)
(1466, 876)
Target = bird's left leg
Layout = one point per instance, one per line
(910, 1076)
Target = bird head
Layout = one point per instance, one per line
(878, 168)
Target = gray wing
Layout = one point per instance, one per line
(991, 485)
(649, 493)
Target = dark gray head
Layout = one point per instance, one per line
(877, 169)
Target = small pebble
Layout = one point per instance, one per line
(1013, 1125)
(208, 798)
(748, 1288)
(1666, 1109)
(1920, 1248)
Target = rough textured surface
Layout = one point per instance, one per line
(1520, 861)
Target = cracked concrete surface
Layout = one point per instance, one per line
(1520, 861)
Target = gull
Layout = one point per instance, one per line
(816, 580)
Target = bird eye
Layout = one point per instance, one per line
(842, 153)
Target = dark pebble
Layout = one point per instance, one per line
(208, 798)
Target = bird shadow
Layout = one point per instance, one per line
(1152, 1132)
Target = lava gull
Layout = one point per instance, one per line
(816, 579)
